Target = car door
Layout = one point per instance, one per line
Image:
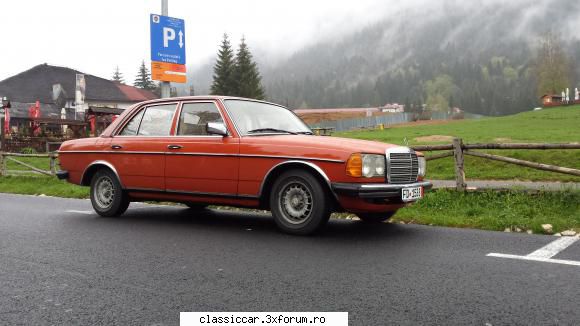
(138, 150)
(198, 162)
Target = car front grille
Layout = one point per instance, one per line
(402, 166)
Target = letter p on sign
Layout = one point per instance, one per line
(168, 35)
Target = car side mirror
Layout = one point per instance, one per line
(216, 128)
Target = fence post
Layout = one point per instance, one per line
(1, 164)
(459, 170)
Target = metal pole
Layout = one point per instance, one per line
(2, 136)
(2, 116)
(165, 86)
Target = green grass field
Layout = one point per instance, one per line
(42, 163)
(497, 211)
(556, 125)
(41, 185)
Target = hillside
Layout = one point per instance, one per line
(557, 125)
(478, 55)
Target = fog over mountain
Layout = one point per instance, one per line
(483, 50)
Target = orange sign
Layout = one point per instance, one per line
(170, 72)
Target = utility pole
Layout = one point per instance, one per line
(165, 86)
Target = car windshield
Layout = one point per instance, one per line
(255, 118)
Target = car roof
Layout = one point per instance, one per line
(204, 97)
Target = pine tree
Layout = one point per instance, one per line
(223, 77)
(118, 76)
(246, 74)
(143, 79)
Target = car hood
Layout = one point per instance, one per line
(335, 147)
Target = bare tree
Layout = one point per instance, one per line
(552, 66)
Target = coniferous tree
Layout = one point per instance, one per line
(143, 79)
(223, 78)
(248, 80)
(118, 76)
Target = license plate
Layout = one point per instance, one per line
(411, 194)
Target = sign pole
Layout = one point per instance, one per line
(2, 136)
(165, 86)
(3, 106)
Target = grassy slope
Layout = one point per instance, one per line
(546, 126)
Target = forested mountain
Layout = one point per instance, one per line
(476, 55)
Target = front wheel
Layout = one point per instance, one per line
(375, 217)
(299, 203)
(107, 196)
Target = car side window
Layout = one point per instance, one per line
(157, 120)
(133, 125)
(195, 116)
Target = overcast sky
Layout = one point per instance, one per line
(96, 36)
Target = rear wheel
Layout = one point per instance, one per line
(107, 196)
(299, 203)
(375, 217)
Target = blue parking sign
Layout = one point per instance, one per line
(167, 39)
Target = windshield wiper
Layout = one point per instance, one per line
(305, 133)
(260, 130)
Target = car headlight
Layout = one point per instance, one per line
(366, 165)
(422, 166)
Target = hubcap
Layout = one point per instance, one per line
(104, 192)
(295, 202)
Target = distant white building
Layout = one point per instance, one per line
(393, 108)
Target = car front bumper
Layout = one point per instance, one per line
(391, 192)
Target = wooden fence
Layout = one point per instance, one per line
(13, 157)
(458, 150)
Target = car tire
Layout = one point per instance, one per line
(374, 218)
(299, 203)
(107, 195)
(195, 206)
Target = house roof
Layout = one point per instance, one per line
(136, 94)
(551, 95)
(35, 84)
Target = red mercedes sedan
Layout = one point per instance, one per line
(213, 150)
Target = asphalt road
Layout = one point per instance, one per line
(60, 264)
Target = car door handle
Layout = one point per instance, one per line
(174, 146)
(116, 146)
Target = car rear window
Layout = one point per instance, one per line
(152, 121)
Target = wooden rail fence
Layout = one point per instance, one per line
(458, 150)
(13, 157)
